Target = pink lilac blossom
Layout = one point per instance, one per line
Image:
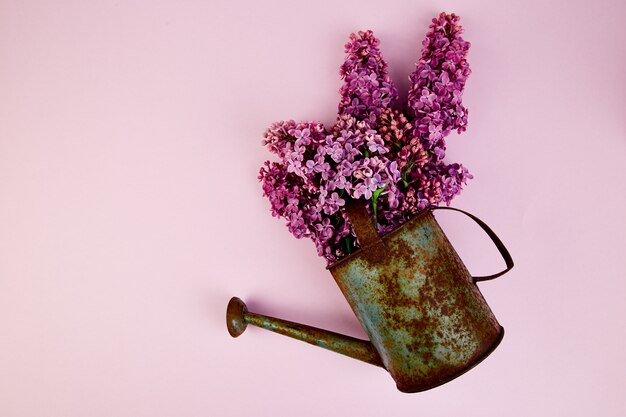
(391, 158)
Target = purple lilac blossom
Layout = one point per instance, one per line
(367, 88)
(434, 99)
(372, 151)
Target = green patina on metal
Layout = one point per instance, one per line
(426, 319)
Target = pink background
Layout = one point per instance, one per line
(130, 211)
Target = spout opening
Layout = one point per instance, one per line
(235, 317)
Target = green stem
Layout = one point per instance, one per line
(405, 171)
(375, 196)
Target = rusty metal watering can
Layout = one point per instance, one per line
(426, 319)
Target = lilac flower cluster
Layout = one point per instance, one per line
(367, 88)
(435, 105)
(437, 84)
(319, 170)
(390, 158)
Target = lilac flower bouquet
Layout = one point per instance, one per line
(387, 153)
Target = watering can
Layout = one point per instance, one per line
(426, 319)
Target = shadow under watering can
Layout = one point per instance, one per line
(426, 319)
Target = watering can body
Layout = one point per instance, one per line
(426, 319)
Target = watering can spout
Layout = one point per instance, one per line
(238, 317)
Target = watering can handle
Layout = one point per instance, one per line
(495, 239)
